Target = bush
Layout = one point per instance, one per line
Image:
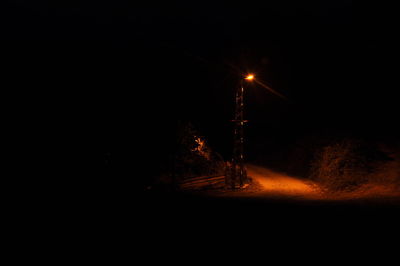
(345, 165)
(194, 157)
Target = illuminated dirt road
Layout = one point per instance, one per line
(274, 184)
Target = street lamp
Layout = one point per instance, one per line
(249, 77)
(238, 172)
(238, 169)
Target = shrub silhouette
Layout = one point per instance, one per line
(345, 165)
(194, 157)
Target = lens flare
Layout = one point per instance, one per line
(249, 77)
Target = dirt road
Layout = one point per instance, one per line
(276, 184)
(273, 185)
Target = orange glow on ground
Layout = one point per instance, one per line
(274, 185)
(277, 184)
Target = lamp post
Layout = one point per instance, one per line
(239, 174)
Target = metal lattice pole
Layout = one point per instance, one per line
(238, 170)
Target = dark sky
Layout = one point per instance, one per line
(120, 74)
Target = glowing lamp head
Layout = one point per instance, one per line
(249, 77)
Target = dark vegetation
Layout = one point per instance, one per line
(347, 165)
(191, 157)
(336, 163)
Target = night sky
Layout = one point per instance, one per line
(115, 77)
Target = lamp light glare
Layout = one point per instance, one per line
(249, 77)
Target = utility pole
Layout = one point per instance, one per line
(238, 171)
(239, 175)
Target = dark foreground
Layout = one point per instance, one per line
(195, 213)
(175, 227)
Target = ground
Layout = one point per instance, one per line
(268, 184)
(276, 205)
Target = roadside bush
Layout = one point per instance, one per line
(345, 165)
(194, 157)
